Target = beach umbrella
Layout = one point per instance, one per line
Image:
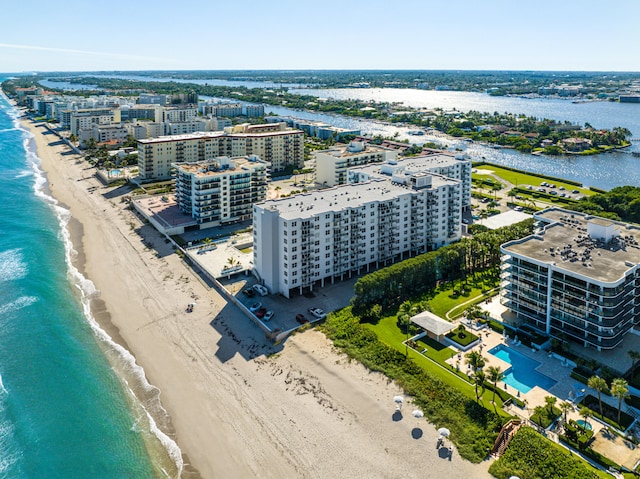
(444, 432)
(514, 477)
(398, 399)
(417, 413)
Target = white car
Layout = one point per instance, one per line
(317, 313)
(255, 307)
(261, 290)
(268, 315)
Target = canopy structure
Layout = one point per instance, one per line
(434, 325)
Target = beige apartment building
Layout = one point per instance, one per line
(279, 146)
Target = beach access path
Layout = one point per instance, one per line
(238, 406)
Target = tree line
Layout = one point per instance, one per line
(402, 281)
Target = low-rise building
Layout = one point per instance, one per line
(179, 114)
(222, 190)
(576, 144)
(104, 134)
(332, 164)
(86, 119)
(577, 279)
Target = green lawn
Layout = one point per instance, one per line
(445, 300)
(521, 178)
(547, 417)
(462, 336)
(388, 332)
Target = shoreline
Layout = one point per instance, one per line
(108, 333)
(236, 405)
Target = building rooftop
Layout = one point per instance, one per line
(583, 245)
(336, 199)
(410, 165)
(354, 149)
(214, 134)
(219, 166)
(430, 322)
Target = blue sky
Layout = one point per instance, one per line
(74, 35)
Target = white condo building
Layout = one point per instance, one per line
(303, 241)
(401, 171)
(222, 190)
(87, 119)
(332, 164)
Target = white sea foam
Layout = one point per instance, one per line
(3, 390)
(18, 304)
(4, 130)
(23, 173)
(12, 266)
(88, 291)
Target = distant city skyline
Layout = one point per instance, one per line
(409, 34)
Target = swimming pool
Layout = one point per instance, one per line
(584, 424)
(522, 374)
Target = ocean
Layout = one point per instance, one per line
(67, 402)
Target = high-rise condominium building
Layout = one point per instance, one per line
(577, 279)
(221, 190)
(303, 241)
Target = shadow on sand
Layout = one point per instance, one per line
(240, 336)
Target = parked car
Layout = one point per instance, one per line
(255, 307)
(575, 192)
(249, 292)
(317, 312)
(518, 208)
(261, 290)
(268, 315)
(301, 319)
(261, 312)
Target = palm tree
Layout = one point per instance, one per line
(585, 413)
(550, 401)
(619, 389)
(600, 385)
(405, 311)
(478, 380)
(494, 374)
(565, 407)
(538, 411)
(475, 360)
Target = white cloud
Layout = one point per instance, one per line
(80, 52)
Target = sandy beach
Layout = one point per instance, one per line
(238, 406)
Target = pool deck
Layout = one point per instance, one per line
(566, 388)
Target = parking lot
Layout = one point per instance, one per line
(330, 298)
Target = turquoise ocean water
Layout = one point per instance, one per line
(65, 412)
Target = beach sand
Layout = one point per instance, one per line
(238, 406)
